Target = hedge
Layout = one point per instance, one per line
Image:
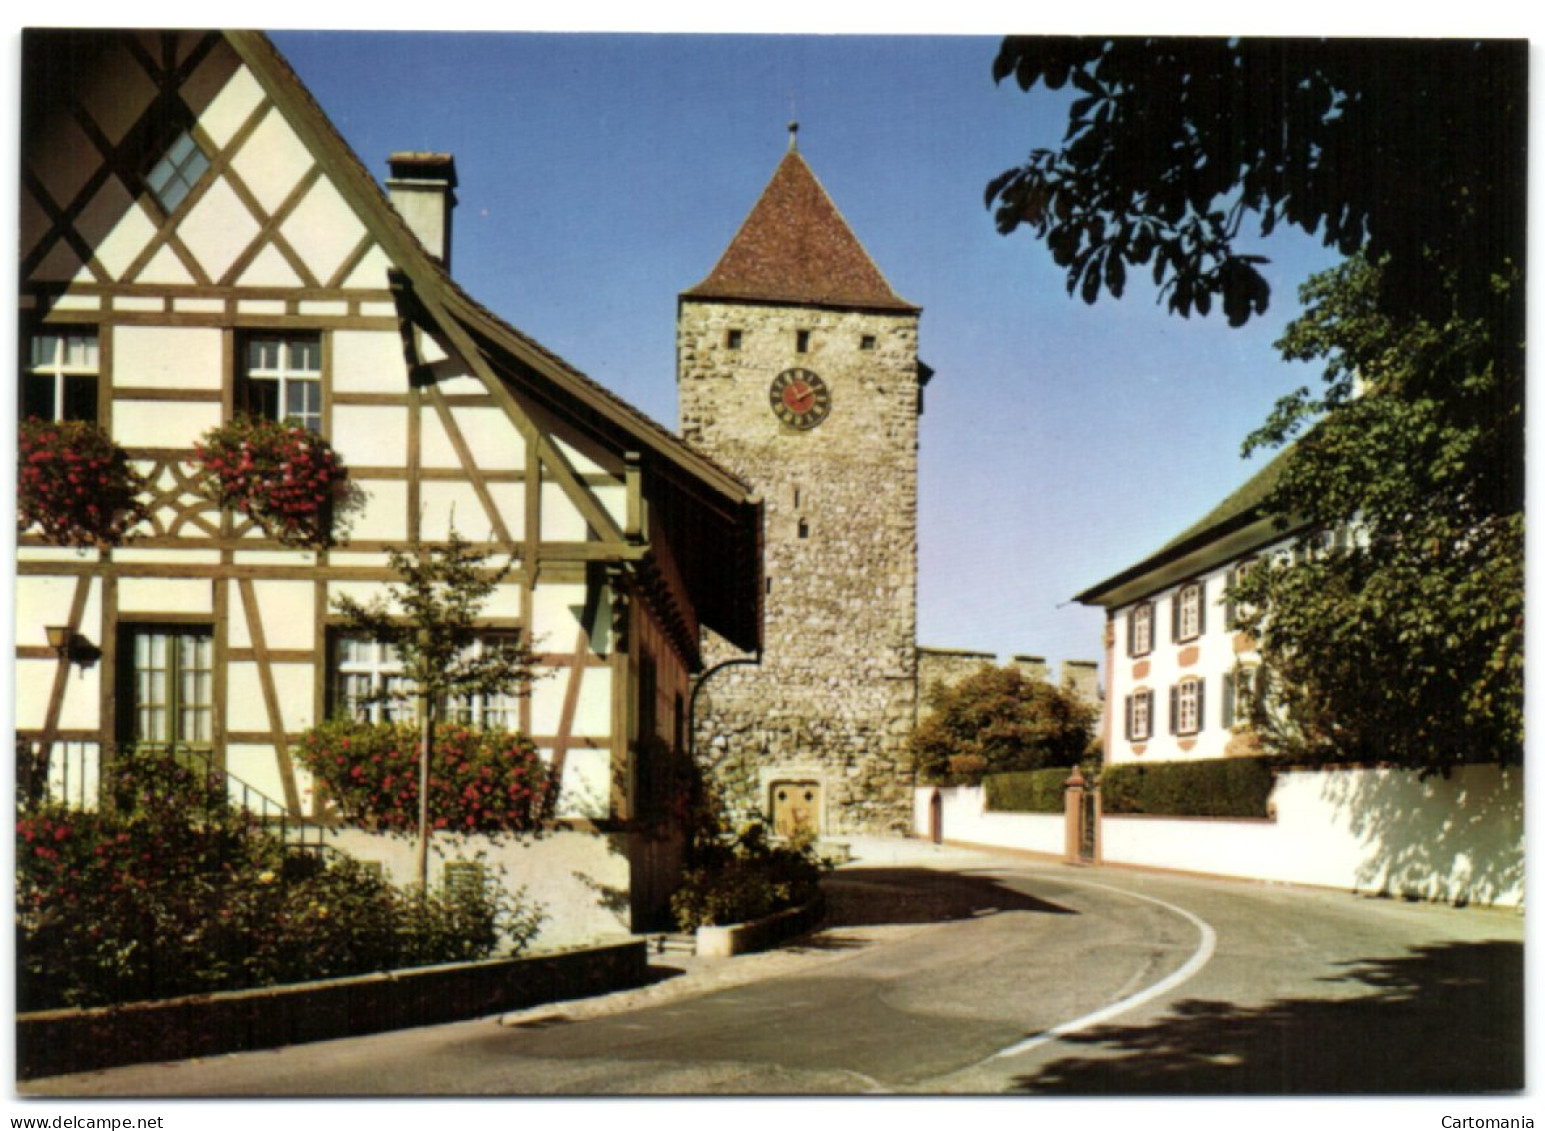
(1028, 791)
(1225, 787)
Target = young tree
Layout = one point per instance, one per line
(430, 619)
(998, 719)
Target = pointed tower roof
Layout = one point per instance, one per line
(795, 247)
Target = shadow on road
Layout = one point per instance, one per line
(865, 897)
(1446, 1018)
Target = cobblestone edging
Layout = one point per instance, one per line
(57, 1041)
(759, 934)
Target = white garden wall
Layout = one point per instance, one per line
(1385, 831)
(967, 819)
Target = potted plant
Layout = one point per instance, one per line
(75, 486)
(284, 477)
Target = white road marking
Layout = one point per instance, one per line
(1193, 966)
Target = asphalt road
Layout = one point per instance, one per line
(945, 971)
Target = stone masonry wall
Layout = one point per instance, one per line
(835, 696)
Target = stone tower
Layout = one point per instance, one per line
(798, 370)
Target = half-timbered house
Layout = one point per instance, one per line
(198, 241)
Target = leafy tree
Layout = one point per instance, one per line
(1409, 157)
(1412, 151)
(1405, 642)
(996, 720)
(430, 619)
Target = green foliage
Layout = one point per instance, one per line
(1213, 787)
(746, 880)
(430, 617)
(482, 781)
(1176, 147)
(171, 891)
(1028, 791)
(997, 720)
(1405, 645)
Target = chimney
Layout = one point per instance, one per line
(422, 188)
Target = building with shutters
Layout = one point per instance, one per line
(197, 241)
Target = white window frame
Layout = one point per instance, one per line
(1188, 706)
(368, 685)
(368, 680)
(1140, 716)
(63, 363)
(1141, 628)
(1188, 611)
(174, 174)
(171, 681)
(490, 712)
(294, 375)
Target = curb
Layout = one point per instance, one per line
(758, 934)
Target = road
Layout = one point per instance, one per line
(947, 971)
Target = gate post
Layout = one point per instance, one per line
(1081, 820)
(1073, 814)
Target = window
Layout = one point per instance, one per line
(1244, 695)
(173, 177)
(1140, 630)
(463, 879)
(492, 711)
(367, 675)
(60, 378)
(1185, 707)
(866, 342)
(804, 528)
(802, 341)
(732, 339)
(282, 379)
(1235, 609)
(169, 700)
(1139, 716)
(1188, 612)
(368, 684)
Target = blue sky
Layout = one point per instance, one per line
(603, 174)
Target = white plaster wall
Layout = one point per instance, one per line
(967, 819)
(1379, 831)
(162, 424)
(367, 361)
(160, 357)
(162, 594)
(581, 878)
(371, 435)
(286, 611)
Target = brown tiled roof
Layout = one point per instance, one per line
(795, 247)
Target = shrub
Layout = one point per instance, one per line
(284, 477)
(75, 485)
(747, 880)
(480, 781)
(171, 891)
(1227, 787)
(997, 720)
(1028, 791)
